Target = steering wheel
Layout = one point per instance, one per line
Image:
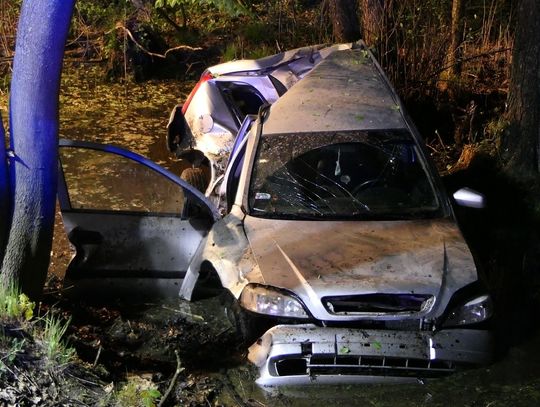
(364, 185)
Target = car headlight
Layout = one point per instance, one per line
(268, 301)
(476, 310)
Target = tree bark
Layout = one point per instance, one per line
(345, 25)
(4, 193)
(521, 143)
(372, 12)
(455, 51)
(41, 36)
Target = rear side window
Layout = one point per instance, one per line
(243, 99)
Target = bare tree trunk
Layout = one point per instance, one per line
(4, 193)
(521, 144)
(455, 52)
(343, 14)
(41, 37)
(372, 14)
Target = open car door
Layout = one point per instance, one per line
(135, 226)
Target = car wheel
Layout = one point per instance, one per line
(195, 177)
(247, 326)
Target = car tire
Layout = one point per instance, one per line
(195, 177)
(244, 324)
(176, 129)
(249, 326)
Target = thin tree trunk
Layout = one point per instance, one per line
(454, 52)
(521, 143)
(345, 25)
(372, 12)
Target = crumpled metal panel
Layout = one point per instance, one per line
(356, 98)
(227, 249)
(341, 351)
(315, 52)
(422, 257)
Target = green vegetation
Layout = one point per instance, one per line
(51, 335)
(137, 394)
(17, 313)
(15, 306)
(231, 7)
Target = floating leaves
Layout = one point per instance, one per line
(344, 350)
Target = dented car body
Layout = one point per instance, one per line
(202, 130)
(339, 243)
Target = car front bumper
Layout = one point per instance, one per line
(301, 354)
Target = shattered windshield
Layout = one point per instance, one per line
(336, 175)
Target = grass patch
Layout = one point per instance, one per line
(16, 314)
(51, 336)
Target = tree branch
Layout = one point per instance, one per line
(154, 54)
(179, 370)
(476, 56)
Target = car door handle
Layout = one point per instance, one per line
(85, 242)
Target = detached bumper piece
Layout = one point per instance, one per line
(300, 354)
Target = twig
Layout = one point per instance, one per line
(179, 370)
(190, 65)
(97, 356)
(440, 140)
(82, 380)
(179, 47)
(432, 148)
(187, 314)
(87, 61)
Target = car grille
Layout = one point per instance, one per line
(361, 366)
(377, 303)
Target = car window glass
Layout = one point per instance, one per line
(98, 180)
(373, 174)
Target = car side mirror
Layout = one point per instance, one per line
(469, 198)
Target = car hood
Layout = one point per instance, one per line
(316, 259)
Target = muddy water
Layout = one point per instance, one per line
(130, 115)
(134, 116)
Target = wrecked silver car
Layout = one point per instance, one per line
(339, 246)
(203, 129)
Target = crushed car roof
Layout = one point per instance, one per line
(346, 91)
(246, 65)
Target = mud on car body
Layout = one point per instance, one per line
(339, 245)
(203, 129)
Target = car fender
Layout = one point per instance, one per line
(227, 250)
